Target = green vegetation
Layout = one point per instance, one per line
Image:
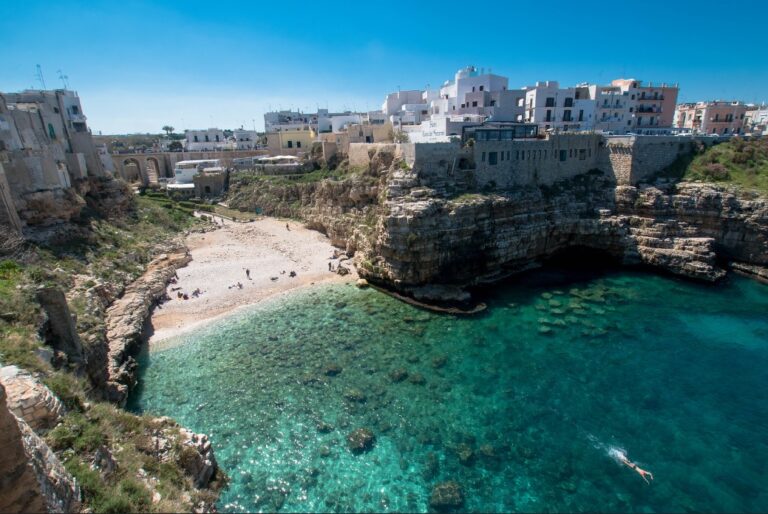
(132, 442)
(739, 163)
(113, 252)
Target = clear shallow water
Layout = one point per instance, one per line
(520, 405)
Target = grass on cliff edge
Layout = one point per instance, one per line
(739, 163)
(116, 251)
(143, 466)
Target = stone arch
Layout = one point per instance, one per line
(132, 170)
(154, 171)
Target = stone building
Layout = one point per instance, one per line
(46, 153)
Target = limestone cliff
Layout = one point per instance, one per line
(33, 478)
(411, 231)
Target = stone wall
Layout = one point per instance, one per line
(30, 399)
(535, 161)
(8, 216)
(360, 154)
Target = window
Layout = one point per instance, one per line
(549, 115)
(493, 103)
(570, 153)
(508, 154)
(549, 102)
(196, 141)
(206, 138)
(581, 114)
(483, 157)
(567, 115)
(545, 154)
(474, 104)
(582, 154)
(517, 155)
(502, 156)
(298, 144)
(563, 155)
(75, 110)
(290, 144)
(217, 138)
(568, 102)
(51, 132)
(493, 158)
(629, 122)
(481, 88)
(473, 89)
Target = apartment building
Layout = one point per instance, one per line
(716, 117)
(205, 140)
(561, 109)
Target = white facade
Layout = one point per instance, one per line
(245, 139)
(185, 171)
(562, 109)
(756, 121)
(205, 140)
(339, 122)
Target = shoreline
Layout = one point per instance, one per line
(220, 258)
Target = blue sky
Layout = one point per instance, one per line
(139, 65)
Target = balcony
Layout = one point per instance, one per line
(645, 110)
(650, 98)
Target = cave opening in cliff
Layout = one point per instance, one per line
(582, 257)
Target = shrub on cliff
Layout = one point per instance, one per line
(737, 162)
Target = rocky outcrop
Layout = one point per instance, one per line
(59, 330)
(198, 459)
(32, 479)
(417, 231)
(126, 319)
(30, 400)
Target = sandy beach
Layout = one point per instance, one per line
(220, 259)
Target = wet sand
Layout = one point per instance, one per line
(220, 259)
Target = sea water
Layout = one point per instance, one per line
(523, 405)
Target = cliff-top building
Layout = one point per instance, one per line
(717, 117)
(45, 149)
(472, 97)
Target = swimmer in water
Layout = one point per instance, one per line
(621, 457)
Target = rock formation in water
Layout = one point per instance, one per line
(126, 321)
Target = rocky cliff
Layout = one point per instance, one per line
(32, 477)
(410, 231)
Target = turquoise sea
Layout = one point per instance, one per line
(520, 405)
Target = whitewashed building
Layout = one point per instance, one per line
(245, 139)
(205, 140)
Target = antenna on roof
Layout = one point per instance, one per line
(64, 79)
(39, 76)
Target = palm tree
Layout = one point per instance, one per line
(168, 129)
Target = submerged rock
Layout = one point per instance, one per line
(439, 361)
(446, 496)
(333, 369)
(361, 440)
(417, 379)
(398, 375)
(355, 395)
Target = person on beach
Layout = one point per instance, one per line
(248, 273)
(621, 457)
(239, 285)
(287, 227)
(292, 274)
(330, 267)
